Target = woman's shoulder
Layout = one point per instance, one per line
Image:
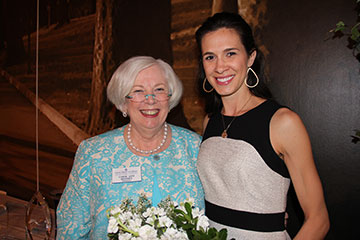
(105, 137)
(185, 140)
(286, 119)
(180, 132)
(269, 105)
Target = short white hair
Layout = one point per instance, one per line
(124, 77)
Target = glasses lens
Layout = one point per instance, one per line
(140, 97)
(137, 97)
(162, 96)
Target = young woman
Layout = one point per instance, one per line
(252, 147)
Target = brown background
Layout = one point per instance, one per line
(316, 78)
(320, 80)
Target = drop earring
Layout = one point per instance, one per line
(257, 78)
(207, 91)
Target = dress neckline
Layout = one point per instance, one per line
(156, 156)
(248, 112)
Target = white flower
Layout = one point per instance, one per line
(125, 216)
(203, 222)
(176, 204)
(147, 232)
(146, 222)
(181, 207)
(191, 201)
(135, 224)
(115, 210)
(149, 212)
(125, 236)
(182, 236)
(112, 227)
(172, 233)
(150, 221)
(164, 221)
(196, 212)
(159, 212)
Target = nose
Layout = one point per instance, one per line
(220, 65)
(150, 98)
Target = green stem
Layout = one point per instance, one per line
(124, 228)
(355, 26)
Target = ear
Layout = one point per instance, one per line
(251, 58)
(123, 107)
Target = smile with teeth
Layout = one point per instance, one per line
(224, 79)
(151, 112)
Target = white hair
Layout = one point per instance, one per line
(124, 77)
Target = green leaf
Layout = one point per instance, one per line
(188, 209)
(112, 236)
(178, 211)
(355, 34)
(356, 137)
(340, 26)
(188, 218)
(357, 132)
(180, 219)
(212, 232)
(223, 234)
(200, 236)
(188, 226)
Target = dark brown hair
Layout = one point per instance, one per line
(236, 22)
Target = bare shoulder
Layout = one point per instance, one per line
(284, 119)
(287, 131)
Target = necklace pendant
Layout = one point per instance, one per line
(224, 134)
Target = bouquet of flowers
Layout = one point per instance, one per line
(167, 221)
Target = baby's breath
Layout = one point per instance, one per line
(169, 220)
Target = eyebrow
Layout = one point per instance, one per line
(231, 49)
(225, 50)
(157, 85)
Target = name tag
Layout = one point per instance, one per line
(124, 175)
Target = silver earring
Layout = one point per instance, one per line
(257, 78)
(124, 114)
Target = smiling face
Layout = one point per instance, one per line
(150, 113)
(225, 61)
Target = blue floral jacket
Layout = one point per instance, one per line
(89, 192)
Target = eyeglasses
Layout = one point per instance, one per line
(140, 96)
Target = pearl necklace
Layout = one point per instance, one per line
(147, 151)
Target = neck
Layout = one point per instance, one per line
(146, 143)
(146, 135)
(237, 106)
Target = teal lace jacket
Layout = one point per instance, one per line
(89, 192)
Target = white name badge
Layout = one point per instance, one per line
(123, 175)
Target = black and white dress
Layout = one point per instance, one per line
(244, 180)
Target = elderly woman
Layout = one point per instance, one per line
(146, 156)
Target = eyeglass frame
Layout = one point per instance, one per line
(147, 97)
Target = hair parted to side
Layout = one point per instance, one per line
(236, 22)
(124, 77)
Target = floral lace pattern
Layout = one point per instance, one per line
(81, 213)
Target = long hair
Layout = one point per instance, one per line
(236, 22)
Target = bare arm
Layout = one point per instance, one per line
(291, 141)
